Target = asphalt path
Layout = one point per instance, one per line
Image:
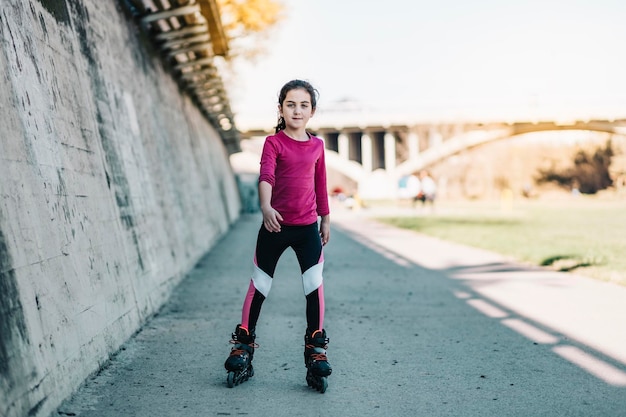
(417, 327)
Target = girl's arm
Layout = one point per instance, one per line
(271, 217)
(321, 196)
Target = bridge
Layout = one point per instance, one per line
(374, 157)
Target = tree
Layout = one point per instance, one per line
(247, 24)
(589, 174)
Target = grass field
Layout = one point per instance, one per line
(582, 234)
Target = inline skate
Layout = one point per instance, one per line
(239, 362)
(315, 360)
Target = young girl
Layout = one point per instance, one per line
(292, 193)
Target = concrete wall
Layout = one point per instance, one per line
(112, 186)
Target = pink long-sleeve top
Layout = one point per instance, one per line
(297, 173)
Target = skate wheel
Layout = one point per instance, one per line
(310, 381)
(323, 384)
(230, 379)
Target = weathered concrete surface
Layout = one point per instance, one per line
(112, 186)
(417, 327)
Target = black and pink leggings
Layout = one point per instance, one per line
(306, 243)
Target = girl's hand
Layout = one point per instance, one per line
(271, 219)
(325, 230)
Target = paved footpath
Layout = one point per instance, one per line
(417, 327)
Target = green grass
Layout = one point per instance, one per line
(583, 235)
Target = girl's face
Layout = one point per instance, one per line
(296, 109)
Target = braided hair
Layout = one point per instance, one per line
(292, 85)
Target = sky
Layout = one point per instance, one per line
(442, 60)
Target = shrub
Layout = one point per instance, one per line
(589, 173)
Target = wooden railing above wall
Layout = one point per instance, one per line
(190, 35)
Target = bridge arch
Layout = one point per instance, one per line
(472, 139)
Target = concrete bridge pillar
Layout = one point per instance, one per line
(366, 152)
(413, 144)
(390, 152)
(435, 138)
(343, 146)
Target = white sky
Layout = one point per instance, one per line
(445, 59)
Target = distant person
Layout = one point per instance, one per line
(293, 194)
(428, 191)
(409, 188)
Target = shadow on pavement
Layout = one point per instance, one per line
(405, 339)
